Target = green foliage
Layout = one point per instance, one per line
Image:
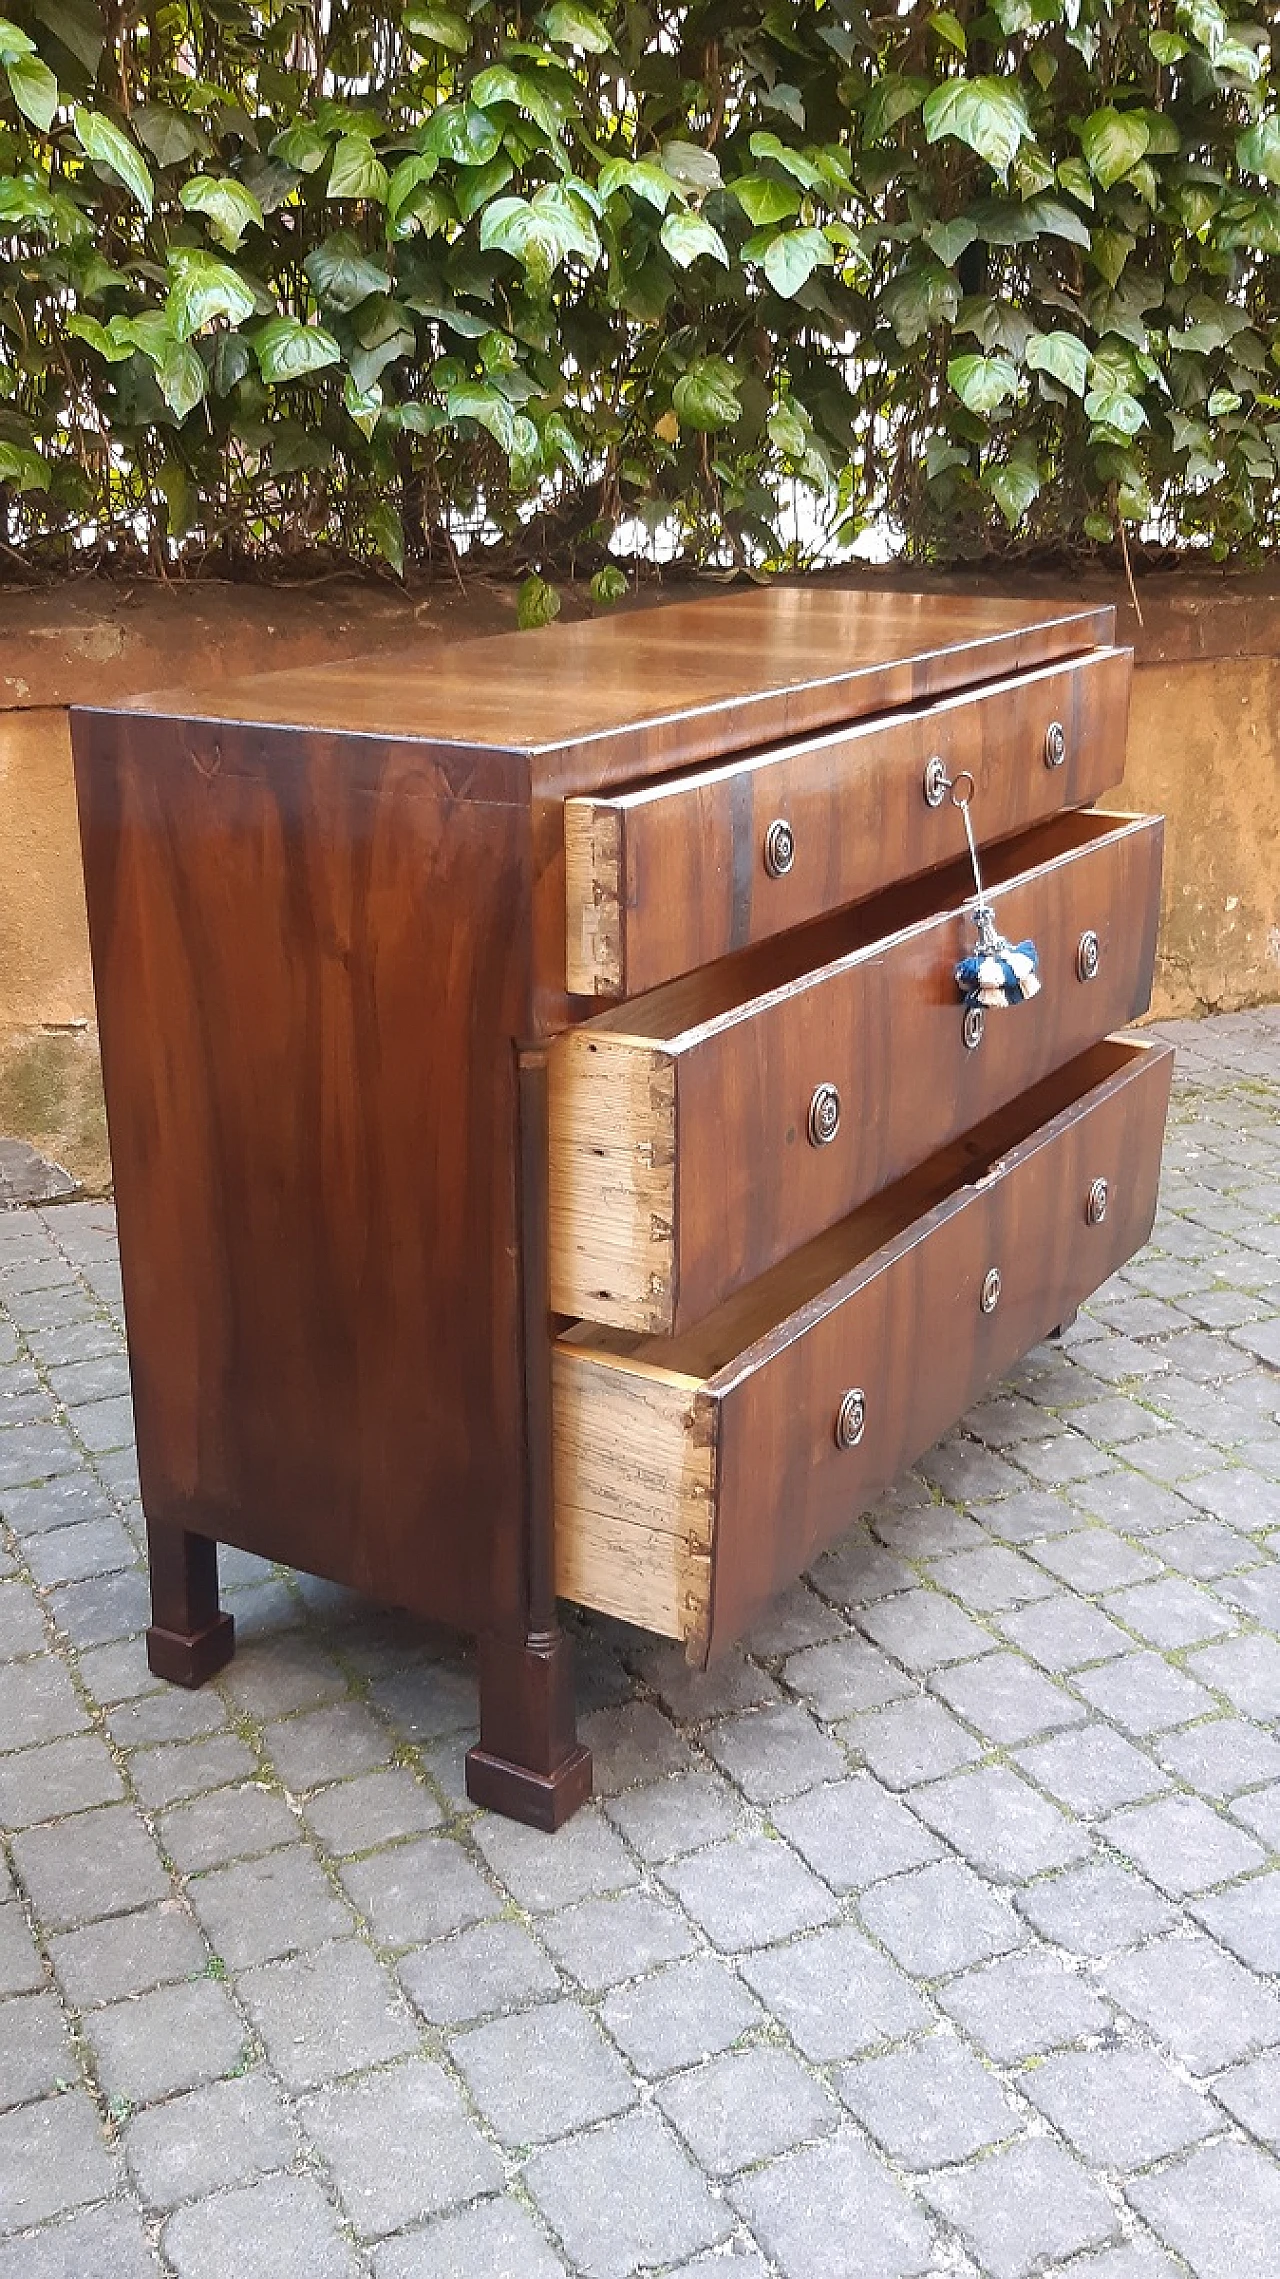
(381, 280)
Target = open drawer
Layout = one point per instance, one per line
(695, 1476)
(678, 872)
(705, 1131)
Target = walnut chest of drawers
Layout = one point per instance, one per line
(552, 1156)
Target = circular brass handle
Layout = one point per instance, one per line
(936, 781)
(779, 848)
(824, 1115)
(974, 1028)
(991, 1290)
(1095, 1209)
(1088, 957)
(1055, 744)
(851, 1418)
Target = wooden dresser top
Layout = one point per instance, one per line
(659, 688)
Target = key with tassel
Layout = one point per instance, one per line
(996, 973)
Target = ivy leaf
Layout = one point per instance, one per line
(687, 236)
(982, 382)
(363, 405)
(1053, 219)
(203, 288)
(101, 140)
(22, 200)
(462, 132)
(1115, 408)
(950, 29)
(1074, 175)
(537, 603)
(1014, 487)
(1258, 149)
(24, 469)
(643, 175)
(801, 168)
(1061, 355)
(1110, 250)
(288, 350)
(228, 208)
(989, 115)
(385, 531)
(570, 25)
(1113, 142)
(170, 136)
(791, 258)
(788, 431)
(341, 275)
(488, 407)
(888, 100)
(919, 298)
(540, 232)
(301, 145)
(439, 27)
(34, 89)
(764, 200)
(357, 171)
(14, 42)
(608, 586)
(182, 378)
(950, 239)
(706, 396)
(691, 166)
(98, 337)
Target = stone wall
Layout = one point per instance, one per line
(1204, 749)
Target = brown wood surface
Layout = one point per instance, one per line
(671, 875)
(729, 1430)
(660, 1208)
(310, 966)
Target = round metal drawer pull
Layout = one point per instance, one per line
(851, 1418)
(991, 1290)
(1088, 957)
(1095, 1209)
(824, 1115)
(937, 783)
(974, 1028)
(1055, 744)
(779, 849)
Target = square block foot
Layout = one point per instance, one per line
(188, 1661)
(540, 1800)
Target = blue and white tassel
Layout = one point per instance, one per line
(997, 973)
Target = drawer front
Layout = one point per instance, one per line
(684, 1166)
(685, 1500)
(682, 872)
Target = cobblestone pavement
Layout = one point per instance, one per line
(938, 1933)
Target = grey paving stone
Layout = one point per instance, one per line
(21, 1970)
(256, 1910)
(854, 1833)
(36, 2055)
(1144, 1693)
(602, 1941)
(1201, 2003)
(1169, 1456)
(103, 1425)
(363, 2129)
(70, 1554)
(941, 1919)
(1027, 1517)
(1251, 2094)
(495, 1966)
(327, 2014)
(37, 1703)
(127, 1954)
(631, 1743)
(1061, 1459)
(231, 2132)
(326, 1745)
(966, 1472)
(1092, 1771)
(835, 1994)
(59, 1778)
(625, 2198)
(692, 1696)
(171, 1774)
(1120, 2108)
(170, 1715)
(772, 1753)
(172, 2039)
(1097, 1910)
(748, 1891)
(497, 2239)
(747, 2107)
(1255, 1593)
(279, 2228)
(911, 1741)
(376, 1808)
(679, 2016)
(583, 1859)
(102, 1609)
(1222, 1757)
(1204, 1548)
(923, 1630)
(1006, 1699)
(542, 2074)
(858, 1569)
(796, 1619)
(929, 2105)
(231, 1824)
(1024, 2005)
(1261, 1812)
(52, 2159)
(1171, 1613)
(32, 1453)
(1246, 1670)
(1000, 1824)
(676, 1815)
(1138, 2261)
(21, 1622)
(807, 2208)
(1220, 2209)
(1241, 1497)
(1246, 1919)
(1182, 1844)
(1064, 1633)
(1022, 2205)
(427, 1700)
(106, 2242)
(415, 1892)
(270, 1679)
(991, 1580)
(94, 1377)
(97, 1863)
(733, 2259)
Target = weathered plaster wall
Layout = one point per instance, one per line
(1204, 749)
